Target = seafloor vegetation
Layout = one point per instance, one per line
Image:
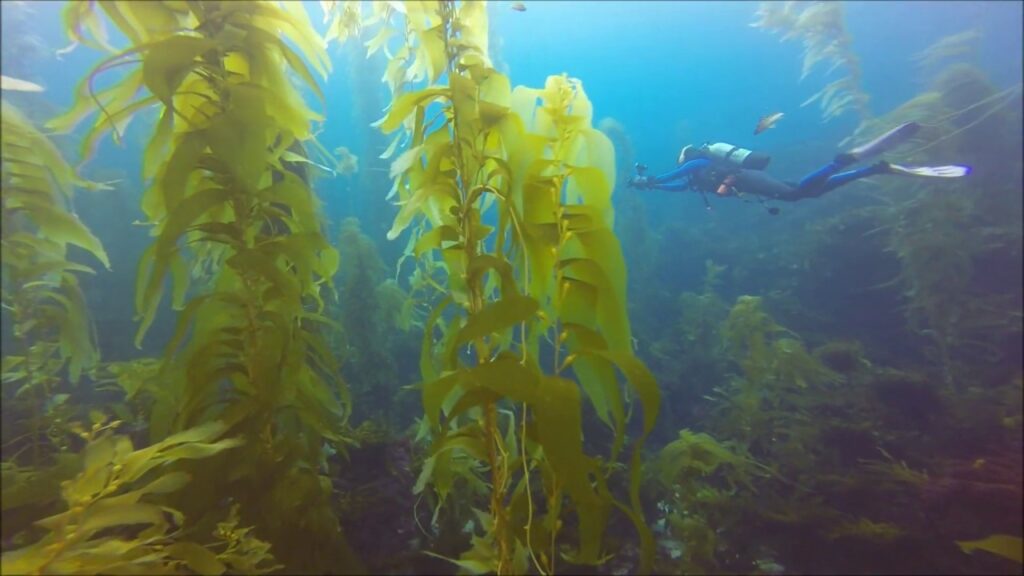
(481, 396)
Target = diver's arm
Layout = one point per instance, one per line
(684, 170)
(673, 187)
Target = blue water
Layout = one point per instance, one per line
(673, 73)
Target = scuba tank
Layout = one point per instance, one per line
(740, 157)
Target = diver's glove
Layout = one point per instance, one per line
(641, 180)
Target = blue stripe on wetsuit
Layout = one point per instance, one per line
(825, 178)
(686, 170)
(814, 184)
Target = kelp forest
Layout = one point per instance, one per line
(458, 344)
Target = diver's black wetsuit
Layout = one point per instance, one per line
(708, 169)
(709, 175)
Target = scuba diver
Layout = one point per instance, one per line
(727, 170)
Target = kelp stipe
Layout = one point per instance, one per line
(40, 289)
(249, 348)
(549, 270)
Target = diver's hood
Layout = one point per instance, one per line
(682, 153)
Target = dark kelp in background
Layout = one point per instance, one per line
(473, 396)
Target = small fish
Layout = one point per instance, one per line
(518, 7)
(767, 122)
(18, 85)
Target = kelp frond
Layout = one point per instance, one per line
(952, 46)
(822, 29)
(549, 270)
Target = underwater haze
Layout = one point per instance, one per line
(541, 287)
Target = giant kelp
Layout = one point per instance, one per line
(947, 237)
(515, 197)
(41, 294)
(248, 349)
(376, 340)
(846, 452)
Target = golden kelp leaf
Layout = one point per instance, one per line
(347, 20)
(116, 121)
(150, 20)
(379, 41)
(140, 461)
(412, 206)
(484, 262)
(198, 558)
(497, 316)
(432, 240)
(471, 399)
(18, 85)
(253, 262)
(79, 14)
(76, 335)
(495, 99)
(83, 106)
(293, 59)
(303, 35)
(1011, 547)
(440, 469)
(596, 375)
(559, 421)
(99, 517)
(605, 305)
(405, 161)
(640, 378)
(427, 369)
(171, 185)
(60, 226)
(473, 28)
(405, 104)
(434, 393)
(507, 377)
(433, 51)
(239, 139)
(168, 62)
(157, 258)
(590, 186)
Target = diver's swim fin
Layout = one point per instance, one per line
(951, 171)
(887, 141)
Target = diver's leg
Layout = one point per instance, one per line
(883, 167)
(826, 179)
(817, 179)
(793, 194)
(887, 141)
(842, 178)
